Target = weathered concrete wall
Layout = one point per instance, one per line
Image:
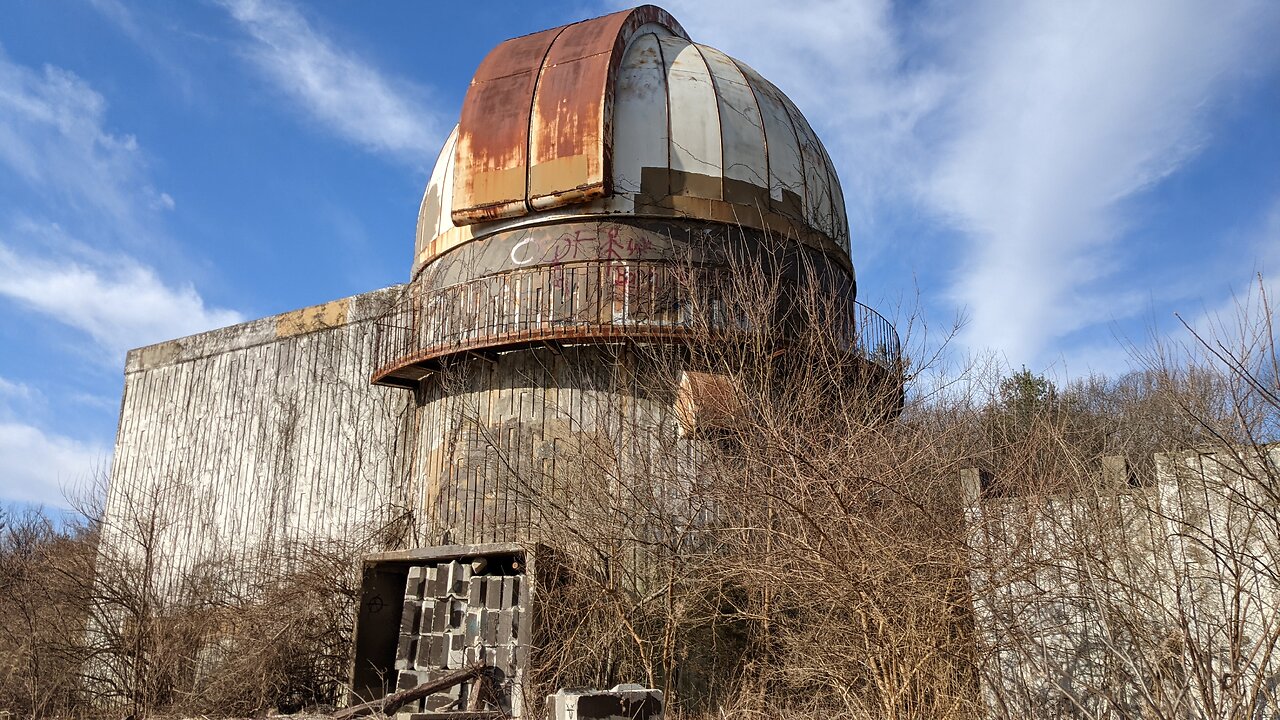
(237, 443)
(1155, 599)
(509, 445)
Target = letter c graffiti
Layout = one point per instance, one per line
(516, 249)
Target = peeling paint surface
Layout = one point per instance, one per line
(628, 116)
(640, 117)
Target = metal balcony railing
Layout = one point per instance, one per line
(585, 302)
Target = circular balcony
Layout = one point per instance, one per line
(589, 302)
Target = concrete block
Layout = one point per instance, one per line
(444, 699)
(430, 581)
(409, 618)
(500, 657)
(442, 659)
(457, 613)
(427, 650)
(413, 584)
(493, 592)
(511, 591)
(973, 482)
(439, 617)
(505, 626)
(426, 617)
(475, 624)
(1116, 471)
(456, 576)
(475, 591)
(410, 679)
(623, 702)
(406, 652)
(489, 627)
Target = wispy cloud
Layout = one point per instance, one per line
(40, 467)
(11, 389)
(1023, 127)
(77, 206)
(343, 91)
(74, 185)
(45, 468)
(1242, 305)
(119, 303)
(1064, 112)
(53, 141)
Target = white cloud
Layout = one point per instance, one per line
(1065, 111)
(1254, 294)
(45, 468)
(53, 139)
(87, 187)
(11, 389)
(120, 304)
(1025, 126)
(340, 89)
(37, 466)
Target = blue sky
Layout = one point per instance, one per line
(1065, 176)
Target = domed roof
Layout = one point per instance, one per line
(624, 115)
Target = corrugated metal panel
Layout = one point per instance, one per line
(696, 157)
(493, 136)
(640, 116)
(516, 432)
(786, 168)
(746, 162)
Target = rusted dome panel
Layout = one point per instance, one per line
(493, 131)
(539, 113)
(625, 115)
(571, 132)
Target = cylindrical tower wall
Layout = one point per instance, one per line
(516, 445)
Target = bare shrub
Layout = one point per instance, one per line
(45, 560)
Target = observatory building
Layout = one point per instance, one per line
(605, 182)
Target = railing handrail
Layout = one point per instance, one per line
(582, 301)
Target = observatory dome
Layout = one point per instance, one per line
(623, 115)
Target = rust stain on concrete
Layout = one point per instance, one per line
(311, 319)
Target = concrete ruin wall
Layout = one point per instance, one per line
(1095, 604)
(237, 443)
